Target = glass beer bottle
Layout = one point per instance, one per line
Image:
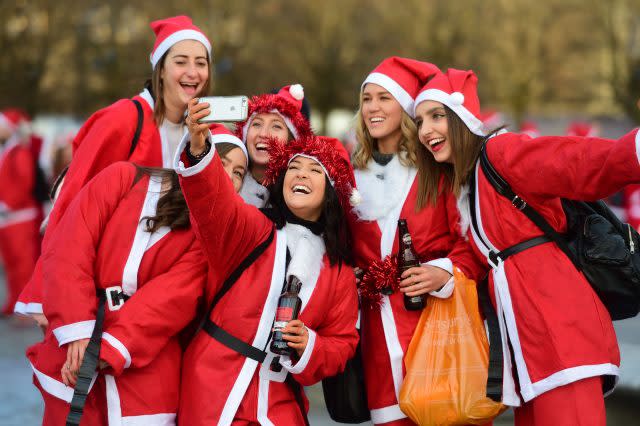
(407, 258)
(288, 310)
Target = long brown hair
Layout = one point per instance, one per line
(157, 87)
(172, 210)
(366, 143)
(465, 150)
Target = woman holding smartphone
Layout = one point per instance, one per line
(230, 376)
(126, 236)
(181, 64)
(562, 352)
(270, 115)
(385, 173)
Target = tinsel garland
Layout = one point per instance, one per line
(381, 275)
(323, 149)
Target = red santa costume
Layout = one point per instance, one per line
(219, 385)
(389, 193)
(287, 103)
(107, 137)
(20, 212)
(560, 335)
(104, 244)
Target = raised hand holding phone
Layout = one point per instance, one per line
(197, 131)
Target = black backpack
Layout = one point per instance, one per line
(606, 250)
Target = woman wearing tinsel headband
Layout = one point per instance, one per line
(304, 235)
(271, 115)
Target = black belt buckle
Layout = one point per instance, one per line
(494, 259)
(518, 203)
(115, 297)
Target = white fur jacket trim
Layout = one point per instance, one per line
(463, 204)
(381, 188)
(307, 253)
(253, 193)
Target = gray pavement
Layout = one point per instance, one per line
(21, 404)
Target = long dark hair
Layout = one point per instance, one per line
(172, 210)
(332, 222)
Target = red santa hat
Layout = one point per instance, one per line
(582, 129)
(172, 30)
(220, 134)
(402, 77)
(13, 118)
(458, 90)
(530, 128)
(287, 103)
(328, 152)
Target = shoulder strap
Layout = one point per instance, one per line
(88, 367)
(503, 188)
(136, 135)
(233, 277)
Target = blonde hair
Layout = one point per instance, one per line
(465, 150)
(160, 108)
(366, 144)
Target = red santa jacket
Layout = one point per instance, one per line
(388, 194)
(631, 206)
(103, 243)
(220, 385)
(559, 330)
(17, 204)
(103, 140)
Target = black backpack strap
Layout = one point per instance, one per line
(88, 367)
(233, 277)
(136, 135)
(496, 362)
(297, 392)
(232, 342)
(503, 188)
(213, 330)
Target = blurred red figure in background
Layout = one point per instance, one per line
(530, 128)
(582, 129)
(20, 211)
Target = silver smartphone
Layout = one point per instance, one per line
(225, 108)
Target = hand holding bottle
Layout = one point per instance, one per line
(421, 280)
(296, 335)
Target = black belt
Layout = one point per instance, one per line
(232, 342)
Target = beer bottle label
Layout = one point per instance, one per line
(283, 316)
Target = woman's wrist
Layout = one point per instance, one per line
(195, 158)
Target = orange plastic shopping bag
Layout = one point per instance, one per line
(447, 362)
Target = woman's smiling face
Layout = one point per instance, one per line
(304, 188)
(261, 127)
(433, 130)
(184, 74)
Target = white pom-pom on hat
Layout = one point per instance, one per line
(297, 91)
(457, 98)
(355, 198)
